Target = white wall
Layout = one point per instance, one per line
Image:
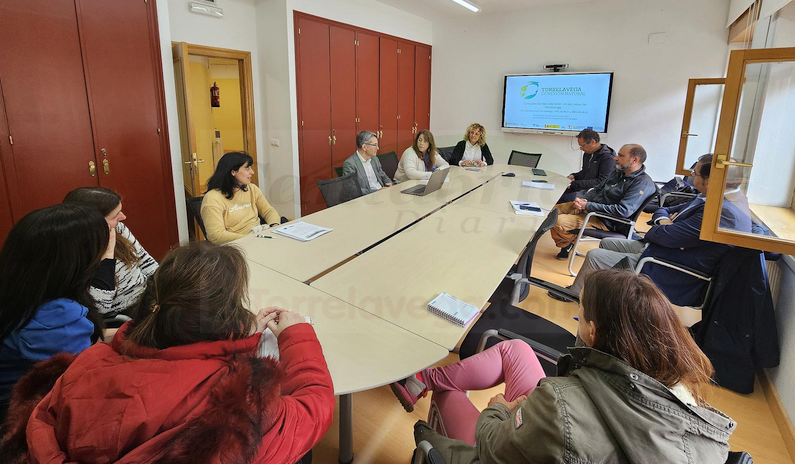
(277, 54)
(650, 79)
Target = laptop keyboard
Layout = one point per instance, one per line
(416, 190)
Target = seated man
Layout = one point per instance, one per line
(620, 195)
(598, 162)
(675, 238)
(364, 163)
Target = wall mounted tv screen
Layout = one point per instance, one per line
(556, 103)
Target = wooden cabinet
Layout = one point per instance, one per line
(84, 106)
(350, 79)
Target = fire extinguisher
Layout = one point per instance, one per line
(215, 96)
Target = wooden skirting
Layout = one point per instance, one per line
(779, 413)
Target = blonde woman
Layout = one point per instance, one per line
(420, 159)
(472, 150)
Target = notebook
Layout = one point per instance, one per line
(455, 311)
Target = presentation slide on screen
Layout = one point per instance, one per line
(557, 102)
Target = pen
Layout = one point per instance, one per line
(264, 236)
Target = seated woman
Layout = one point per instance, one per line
(634, 391)
(122, 274)
(420, 159)
(472, 151)
(182, 382)
(46, 267)
(232, 205)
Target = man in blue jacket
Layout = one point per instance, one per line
(621, 194)
(675, 238)
(598, 162)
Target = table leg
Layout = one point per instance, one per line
(346, 429)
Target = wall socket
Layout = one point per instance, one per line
(274, 142)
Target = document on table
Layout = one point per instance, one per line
(302, 231)
(538, 185)
(425, 181)
(517, 208)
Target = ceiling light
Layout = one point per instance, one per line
(468, 5)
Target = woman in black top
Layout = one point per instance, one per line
(472, 150)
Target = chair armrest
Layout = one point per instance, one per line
(607, 216)
(671, 265)
(676, 194)
(430, 454)
(543, 284)
(542, 351)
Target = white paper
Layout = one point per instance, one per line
(425, 181)
(524, 212)
(302, 231)
(538, 185)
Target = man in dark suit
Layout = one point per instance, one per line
(674, 237)
(365, 164)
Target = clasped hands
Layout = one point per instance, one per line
(277, 319)
(475, 163)
(579, 204)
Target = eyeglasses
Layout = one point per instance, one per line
(372, 144)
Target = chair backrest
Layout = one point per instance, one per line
(528, 160)
(338, 171)
(340, 190)
(739, 457)
(645, 203)
(446, 152)
(389, 163)
(195, 207)
(526, 260)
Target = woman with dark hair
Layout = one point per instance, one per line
(472, 150)
(46, 267)
(182, 382)
(232, 206)
(122, 274)
(420, 159)
(632, 393)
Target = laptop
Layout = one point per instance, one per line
(434, 183)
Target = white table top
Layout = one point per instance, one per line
(356, 225)
(461, 250)
(362, 351)
(497, 194)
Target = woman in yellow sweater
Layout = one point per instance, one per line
(232, 205)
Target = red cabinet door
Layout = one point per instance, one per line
(405, 121)
(123, 82)
(46, 106)
(367, 63)
(422, 88)
(343, 94)
(388, 109)
(6, 219)
(314, 106)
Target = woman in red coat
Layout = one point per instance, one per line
(183, 383)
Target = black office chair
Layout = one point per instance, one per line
(446, 152)
(195, 207)
(340, 190)
(389, 163)
(592, 235)
(502, 311)
(528, 160)
(338, 171)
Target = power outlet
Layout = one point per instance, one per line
(274, 142)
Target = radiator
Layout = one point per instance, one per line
(774, 278)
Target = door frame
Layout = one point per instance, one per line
(681, 169)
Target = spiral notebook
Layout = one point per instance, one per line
(452, 309)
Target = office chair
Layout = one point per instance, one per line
(195, 207)
(592, 235)
(446, 152)
(340, 190)
(338, 171)
(528, 160)
(389, 163)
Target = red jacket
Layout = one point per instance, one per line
(209, 402)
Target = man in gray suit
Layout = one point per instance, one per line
(365, 164)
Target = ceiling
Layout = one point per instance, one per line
(436, 10)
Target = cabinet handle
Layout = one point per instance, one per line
(104, 152)
(106, 166)
(334, 140)
(92, 169)
(329, 140)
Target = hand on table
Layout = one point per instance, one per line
(481, 163)
(259, 228)
(111, 245)
(277, 319)
(511, 405)
(466, 163)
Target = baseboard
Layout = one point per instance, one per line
(779, 413)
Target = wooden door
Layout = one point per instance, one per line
(120, 51)
(46, 106)
(6, 218)
(367, 53)
(405, 120)
(187, 133)
(388, 98)
(314, 106)
(343, 94)
(422, 88)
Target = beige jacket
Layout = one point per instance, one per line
(412, 167)
(226, 220)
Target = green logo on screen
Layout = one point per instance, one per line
(530, 90)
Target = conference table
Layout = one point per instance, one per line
(367, 283)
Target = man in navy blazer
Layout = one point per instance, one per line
(674, 237)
